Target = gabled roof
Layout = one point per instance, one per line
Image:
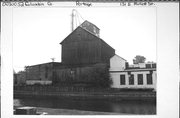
(80, 26)
(70, 34)
(87, 32)
(119, 57)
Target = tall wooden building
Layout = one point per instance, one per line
(84, 47)
(85, 57)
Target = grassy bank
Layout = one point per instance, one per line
(87, 95)
(82, 93)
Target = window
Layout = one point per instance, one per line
(140, 79)
(148, 65)
(149, 79)
(131, 80)
(122, 79)
(153, 65)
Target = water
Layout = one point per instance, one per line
(128, 107)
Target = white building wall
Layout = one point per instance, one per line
(115, 76)
(117, 63)
(116, 79)
(154, 79)
(144, 85)
(117, 68)
(142, 65)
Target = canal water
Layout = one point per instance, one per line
(127, 107)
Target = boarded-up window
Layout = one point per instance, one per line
(140, 79)
(149, 79)
(122, 79)
(131, 80)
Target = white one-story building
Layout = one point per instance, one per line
(138, 76)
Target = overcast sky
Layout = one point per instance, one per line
(37, 32)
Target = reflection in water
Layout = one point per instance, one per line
(129, 107)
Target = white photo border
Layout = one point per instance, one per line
(167, 63)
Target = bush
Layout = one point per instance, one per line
(97, 77)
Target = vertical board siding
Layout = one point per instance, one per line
(82, 47)
(39, 72)
(79, 74)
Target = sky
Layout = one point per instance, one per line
(37, 32)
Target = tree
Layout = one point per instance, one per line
(139, 59)
(100, 77)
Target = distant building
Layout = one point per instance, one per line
(20, 78)
(137, 76)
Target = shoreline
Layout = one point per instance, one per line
(52, 111)
(148, 96)
(56, 111)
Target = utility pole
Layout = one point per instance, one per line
(75, 19)
(72, 22)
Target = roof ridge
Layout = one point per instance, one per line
(88, 32)
(89, 22)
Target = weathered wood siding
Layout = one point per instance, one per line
(39, 72)
(106, 52)
(82, 47)
(58, 73)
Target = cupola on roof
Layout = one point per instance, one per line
(90, 27)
